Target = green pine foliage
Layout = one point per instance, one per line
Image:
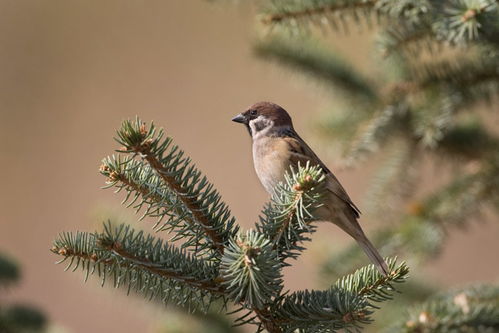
(209, 264)
(251, 270)
(316, 310)
(187, 201)
(474, 309)
(286, 219)
(141, 263)
(435, 64)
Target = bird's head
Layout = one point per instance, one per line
(264, 118)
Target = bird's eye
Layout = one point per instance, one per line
(253, 113)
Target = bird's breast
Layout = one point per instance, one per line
(271, 161)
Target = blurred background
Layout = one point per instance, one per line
(73, 70)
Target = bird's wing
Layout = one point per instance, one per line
(301, 152)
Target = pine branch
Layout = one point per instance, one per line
(322, 311)
(465, 78)
(348, 304)
(21, 318)
(463, 21)
(190, 197)
(306, 56)
(286, 219)
(464, 197)
(16, 318)
(160, 271)
(457, 74)
(143, 264)
(452, 22)
(425, 105)
(278, 11)
(338, 123)
(467, 310)
(468, 140)
(144, 188)
(444, 23)
(251, 271)
(9, 271)
(395, 179)
(431, 121)
(383, 125)
(296, 13)
(409, 12)
(407, 38)
(369, 283)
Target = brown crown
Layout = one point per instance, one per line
(272, 111)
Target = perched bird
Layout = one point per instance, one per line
(276, 146)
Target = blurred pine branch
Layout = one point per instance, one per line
(17, 317)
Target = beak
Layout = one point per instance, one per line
(239, 119)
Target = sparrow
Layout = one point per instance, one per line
(277, 147)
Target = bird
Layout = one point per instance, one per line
(276, 147)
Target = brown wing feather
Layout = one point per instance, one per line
(301, 152)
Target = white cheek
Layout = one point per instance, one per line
(260, 125)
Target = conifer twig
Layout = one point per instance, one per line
(191, 203)
(267, 322)
(116, 175)
(209, 285)
(199, 199)
(278, 17)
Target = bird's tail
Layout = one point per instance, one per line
(373, 254)
(352, 227)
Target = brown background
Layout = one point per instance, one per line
(72, 70)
